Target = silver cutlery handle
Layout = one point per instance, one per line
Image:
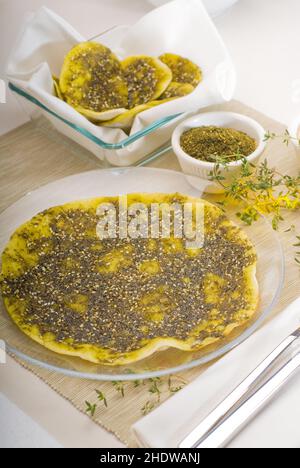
(218, 414)
(223, 433)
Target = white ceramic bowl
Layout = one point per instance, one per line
(198, 172)
(294, 131)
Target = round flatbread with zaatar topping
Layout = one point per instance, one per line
(118, 300)
(92, 81)
(183, 69)
(177, 90)
(146, 77)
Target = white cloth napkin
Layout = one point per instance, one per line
(278, 424)
(179, 27)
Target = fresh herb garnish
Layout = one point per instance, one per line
(90, 408)
(286, 137)
(101, 397)
(148, 407)
(156, 388)
(259, 190)
(119, 387)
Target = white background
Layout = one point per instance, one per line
(263, 37)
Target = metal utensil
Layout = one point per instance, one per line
(234, 411)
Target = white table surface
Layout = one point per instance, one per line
(263, 37)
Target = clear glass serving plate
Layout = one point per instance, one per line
(270, 273)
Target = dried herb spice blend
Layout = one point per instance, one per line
(211, 143)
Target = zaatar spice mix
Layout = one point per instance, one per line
(213, 144)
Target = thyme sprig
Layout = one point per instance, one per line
(259, 190)
(148, 407)
(286, 137)
(156, 388)
(90, 408)
(101, 397)
(119, 387)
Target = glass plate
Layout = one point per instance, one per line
(270, 272)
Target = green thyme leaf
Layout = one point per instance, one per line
(90, 408)
(101, 397)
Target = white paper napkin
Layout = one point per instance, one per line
(179, 27)
(167, 426)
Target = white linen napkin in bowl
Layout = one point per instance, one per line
(277, 425)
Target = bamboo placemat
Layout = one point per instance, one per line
(30, 158)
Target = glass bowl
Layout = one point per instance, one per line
(270, 273)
